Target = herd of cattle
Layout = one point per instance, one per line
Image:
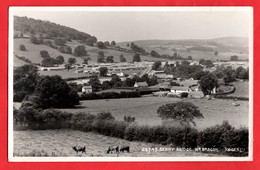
(111, 149)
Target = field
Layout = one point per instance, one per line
(64, 74)
(242, 89)
(33, 52)
(60, 143)
(144, 109)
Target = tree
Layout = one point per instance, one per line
(154, 53)
(234, 58)
(122, 58)
(44, 54)
(127, 45)
(106, 85)
(85, 60)
(35, 40)
(90, 41)
(136, 58)
(113, 43)
(128, 83)
(22, 47)
(60, 59)
(95, 84)
(110, 59)
(101, 45)
(185, 62)
(208, 63)
(156, 65)
(201, 61)
(107, 44)
(242, 73)
(182, 112)
(208, 83)
(72, 61)
(103, 71)
(190, 58)
(54, 92)
(25, 79)
(116, 81)
(49, 62)
(67, 66)
(216, 53)
(101, 57)
(80, 51)
(60, 41)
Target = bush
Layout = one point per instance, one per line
(109, 95)
(22, 47)
(184, 94)
(44, 54)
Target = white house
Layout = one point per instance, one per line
(87, 89)
(180, 89)
(140, 84)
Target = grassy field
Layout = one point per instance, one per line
(242, 89)
(63, 73)
(60, 143)
(144, 109)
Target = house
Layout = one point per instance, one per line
(140, 84)
(180, 89)
(87, 89)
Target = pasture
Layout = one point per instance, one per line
(242, 89)
(59, 143)
(144, 110)
(63, 73)
(33, 52)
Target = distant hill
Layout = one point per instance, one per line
(225, 44)
(47, 29)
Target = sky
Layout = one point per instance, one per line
(124, 24)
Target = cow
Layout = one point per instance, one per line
(79, 149)
(124, 148)
(112, 149)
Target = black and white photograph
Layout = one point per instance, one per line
(130, 84)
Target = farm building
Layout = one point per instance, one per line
(196, 94)
(180, 89)
(140, 84)
(87, 89)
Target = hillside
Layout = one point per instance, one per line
(33, 52)
(47, 29)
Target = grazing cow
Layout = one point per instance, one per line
(112, 149)
(124, 148)
(79, 149)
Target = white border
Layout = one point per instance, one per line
(125, 159)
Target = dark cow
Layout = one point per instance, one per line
(79, 149)
(112, 149)
(124, 148)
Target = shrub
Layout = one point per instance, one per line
(109, 95)
(22, 47)
(44, 54)
(184, 94)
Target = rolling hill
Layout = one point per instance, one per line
(197, 48)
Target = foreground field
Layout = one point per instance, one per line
(144, 109)
(60, 143)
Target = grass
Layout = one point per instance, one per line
(144, 109)
(63, 73)
(242, 89)
(59, 143)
